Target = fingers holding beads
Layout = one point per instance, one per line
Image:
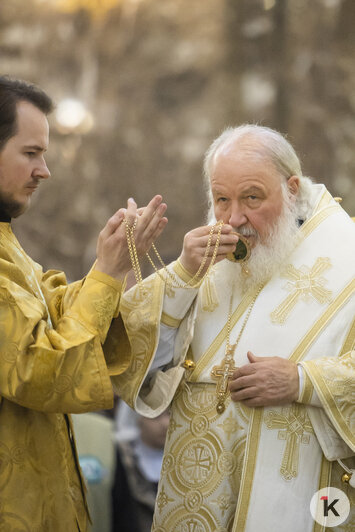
(127, 235)
(206, 245)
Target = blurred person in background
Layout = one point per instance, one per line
(96, 451)
(59, 343)
(139, 454)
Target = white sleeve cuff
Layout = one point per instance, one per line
(165, 350)
(177, 301)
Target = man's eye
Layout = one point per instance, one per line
(31, 153)
(251, 197)
(222, 199)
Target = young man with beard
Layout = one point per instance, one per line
(59, 343)
(258, 361)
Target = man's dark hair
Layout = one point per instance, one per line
(13, 91)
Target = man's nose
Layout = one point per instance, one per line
(42, 170)
(237, 217)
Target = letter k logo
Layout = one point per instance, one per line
(327, 507)
(330, 507)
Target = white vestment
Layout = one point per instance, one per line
(252, 469)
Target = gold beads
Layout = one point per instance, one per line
(169, 278)
(189, 364)
(346, 478)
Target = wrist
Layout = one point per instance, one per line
(186, 266)
(119, 275)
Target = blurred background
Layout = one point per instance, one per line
(142, 88)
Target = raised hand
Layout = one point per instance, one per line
(112, 251)
(196, 242)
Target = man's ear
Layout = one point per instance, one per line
(293, 184)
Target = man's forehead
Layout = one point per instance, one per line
(28, 112)
(32, 125)
(246, 187)
(238, 155)
(249, 172)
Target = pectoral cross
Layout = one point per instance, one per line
(222, 374)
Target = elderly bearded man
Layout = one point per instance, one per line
(59, 343)
(279, 327)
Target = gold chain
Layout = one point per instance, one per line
(191, 283)
(229, 322)
(170, 280)
(133, 250)
(224, 372)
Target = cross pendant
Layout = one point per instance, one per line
(222, 374)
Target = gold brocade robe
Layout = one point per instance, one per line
(58, 348)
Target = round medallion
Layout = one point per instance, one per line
(226, 463)
(10, 353)
(168, 463)
(63, 384)
(196, 463)
(199, 399)
(193, 501)
(18, 454)
(242, 249)
(183, 521)
(199, 425)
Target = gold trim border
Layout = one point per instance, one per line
(330, 405)
(246, 483)
(307, 391)
(222, 335)
(324, 482)
(310, 225)
(135, 379)
(316, 329)
(349, 343)
(168, 320)
(182, 272)
(324, 201)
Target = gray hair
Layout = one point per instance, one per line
(262, 143)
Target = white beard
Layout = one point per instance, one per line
(269, 256)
